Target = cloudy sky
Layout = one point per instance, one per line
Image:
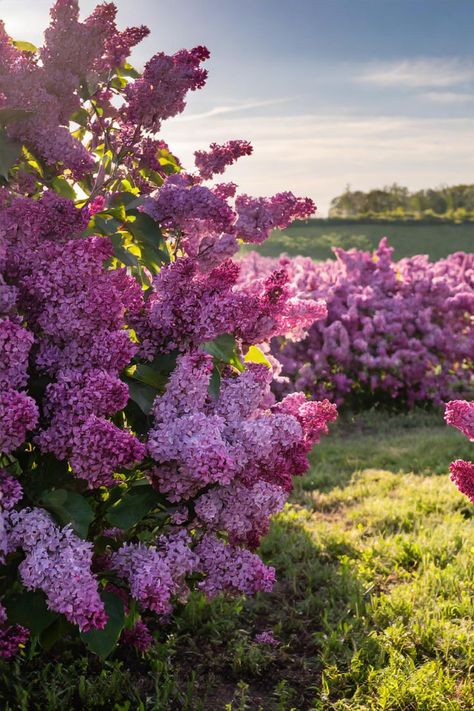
(330, 92)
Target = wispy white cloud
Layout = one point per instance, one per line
(218, 110)
(419, 73)
(448, 97)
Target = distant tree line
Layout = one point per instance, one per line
(395, 202)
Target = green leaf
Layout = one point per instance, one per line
(81, 116)
(29, 610)
(141, 394)
(133, 506)
(149, 375)
(147, 234)
(224, 349)
(127, 199)
(122, 253)
(118, 83)
(24, 46)
(9, 115)
(255, 355)
(102, 642)
(62, 187)
(69, 507)
(55, 632)
(126, 70)
(215, 383)
(9, 153)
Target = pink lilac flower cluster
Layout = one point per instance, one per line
(460, 414)
(77, 332)
(243, 445)
(394, 330)
(208, 226)
(189, 307)
(77, 406)
(75, 55)
(218, 157)
(58, 563)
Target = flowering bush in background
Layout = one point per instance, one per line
(142, 451)
(395, 331)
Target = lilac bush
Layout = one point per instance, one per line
(142, 451)
(394, 332)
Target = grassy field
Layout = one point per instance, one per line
(315, 238)
(373, 608)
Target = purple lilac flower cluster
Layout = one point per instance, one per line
(460, 414)
(395, 330)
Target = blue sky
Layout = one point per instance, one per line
(331, 92)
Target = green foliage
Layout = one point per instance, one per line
(69, 507)
(134, 505)
(9, 152)
(29, 610)
(224, 349)
(102, 642)
(454, 203)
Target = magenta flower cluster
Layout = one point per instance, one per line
(460, 414)
(142, 451)
(394, 331)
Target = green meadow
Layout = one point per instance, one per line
(316, 238)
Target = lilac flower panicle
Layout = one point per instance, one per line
(58, 563)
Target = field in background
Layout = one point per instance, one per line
(315, 238)
(373, 609)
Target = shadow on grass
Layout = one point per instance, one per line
(316, 604)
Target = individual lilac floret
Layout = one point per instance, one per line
(58, 563)
(230, 569)
(257, 217)
(218, 157)
(18, 415)
(460, 414)
(462, 474)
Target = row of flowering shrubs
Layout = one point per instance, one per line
(395, 331)
(142, 451)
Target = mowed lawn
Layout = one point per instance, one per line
(373, 608)
(315, 238)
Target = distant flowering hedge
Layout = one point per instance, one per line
(394, 332)
(141, 449)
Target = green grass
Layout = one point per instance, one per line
(373, 606)
(315, 238)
